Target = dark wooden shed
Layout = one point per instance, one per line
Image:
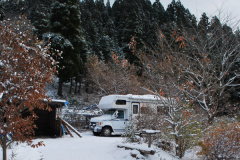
(48, 122)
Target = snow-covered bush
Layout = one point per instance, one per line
(222, 141)
(130, 133)
(152, 120)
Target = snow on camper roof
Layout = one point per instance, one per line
(144, 97)
(108, 101)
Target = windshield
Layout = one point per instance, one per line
(110, 111)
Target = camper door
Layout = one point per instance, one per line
(119, 123)
(135, 109)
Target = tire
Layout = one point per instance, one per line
(96, 133)
(107, 131)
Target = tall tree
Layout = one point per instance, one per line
(203, 25)
(129, 22)
(159, 14)
(203, 72)
(98, 27)
(41, 20)
(132, 31)
(25, 68)
(179, 16)
(1, 11)
(65, 19)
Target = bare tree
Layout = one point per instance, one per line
(176, 117)
(116, 78)
(202, 69)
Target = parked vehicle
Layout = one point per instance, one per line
(92, 107)
(119, 110)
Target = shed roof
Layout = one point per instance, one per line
(57, 101)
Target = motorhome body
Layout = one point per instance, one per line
(120, 109)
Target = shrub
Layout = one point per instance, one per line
(222, 141)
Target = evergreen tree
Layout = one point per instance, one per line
(99, 28)
(119, 17)
(109, 28)
(159, 15)
(1, 12)
(231, 40)
(215, 25)
(90, 26)
(171, 12)
(130, 22)
(179, 16)
(108, 7)
(65, 20)
(106, 47)
(41, 20)
(203, 25)
(215, 40)
(132, 30)
(181, 12)
(191, 21)
(144, 13)
(12, 8)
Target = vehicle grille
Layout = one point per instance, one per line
(93, 124)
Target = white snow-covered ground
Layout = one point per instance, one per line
(88, 147)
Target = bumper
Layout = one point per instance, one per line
(95, 129)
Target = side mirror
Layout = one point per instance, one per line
(115, 114)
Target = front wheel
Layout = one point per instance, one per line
(106, 132)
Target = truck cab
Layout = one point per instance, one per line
(113, 121)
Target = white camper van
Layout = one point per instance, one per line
(119, 109)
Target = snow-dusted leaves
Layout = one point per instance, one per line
(25, 70)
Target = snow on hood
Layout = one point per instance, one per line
(104, 117)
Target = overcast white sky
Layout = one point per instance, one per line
(227, 8)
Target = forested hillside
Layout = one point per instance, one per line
(136, 47)
(125, 48)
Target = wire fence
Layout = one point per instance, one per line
(78, 121)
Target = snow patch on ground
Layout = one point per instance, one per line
(191, 154)
(88, 147)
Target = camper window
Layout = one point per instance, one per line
(121, 102)
(135, 109)
(110, 111)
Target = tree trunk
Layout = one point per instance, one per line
(79, 87)
(76, 86)
(70, 90)
(177, 146)
(87, 86)
(179, 149)
(4, 147)
(60, 84)
(210, 119)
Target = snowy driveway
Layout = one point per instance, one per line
(88, 147)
